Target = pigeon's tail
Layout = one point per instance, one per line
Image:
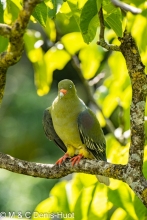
(103, 179)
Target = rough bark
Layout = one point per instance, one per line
(51, 171)
(134, 175)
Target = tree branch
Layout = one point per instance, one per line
(16, 44)
(51, 171)
(94, 167)
(5, 30)
(134, 176)
(136, 71)
(102, 41)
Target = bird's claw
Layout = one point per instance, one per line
(62, 159)
(76, 159)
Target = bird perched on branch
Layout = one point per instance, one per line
(74, 127)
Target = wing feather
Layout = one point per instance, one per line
(91, 134)
(50, 131)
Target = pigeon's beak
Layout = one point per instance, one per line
(62, 92)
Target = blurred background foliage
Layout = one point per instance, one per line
(60, 43)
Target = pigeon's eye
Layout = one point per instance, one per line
(70, 86)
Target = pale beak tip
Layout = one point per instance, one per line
(61, 94)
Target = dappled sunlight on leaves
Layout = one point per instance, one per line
(115, 152)
(94, 55)
(86, 198)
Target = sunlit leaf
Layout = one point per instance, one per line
(66, 9)
(93, 54)
(73, 42)
(74, 9)
(34, 51)
(18, 3)
(101, 119)
(115, 153)
(86, 179)
(56, 59)
(33, 42)
(141, 23)
(50, 29)
(119, 214)
(11, 12)
(145, 162)
(123, 200)
(83, 205)
(114, 21)
(53, 6)
(118, 81)
(59, 192)
(45, 209)
(100, 205)
(140, 209)
(41, 82)
(74, 188)
(113, 17)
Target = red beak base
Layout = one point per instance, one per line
(64, 91)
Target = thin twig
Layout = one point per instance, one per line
(102, 26)
(102, 41)
(126, 7)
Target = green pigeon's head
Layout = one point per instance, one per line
(66, 89)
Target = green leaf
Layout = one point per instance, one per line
(40, 13)
(46, 206)
(77, 42)
(108, 7)
(51, 29)
(60, 193)
(115, 22)
(11, 12)
(47, 9)
(99, 4)
(56, 59)
(53, 6)
(140, 209)
(113, 17)
(123, 200)
(33, 42)
(93, 54)
(18, 3)
(1, 13)
(84, 202)
(75, 10)
(89, 20)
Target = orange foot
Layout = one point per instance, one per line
(62, 159)
(76, 159)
